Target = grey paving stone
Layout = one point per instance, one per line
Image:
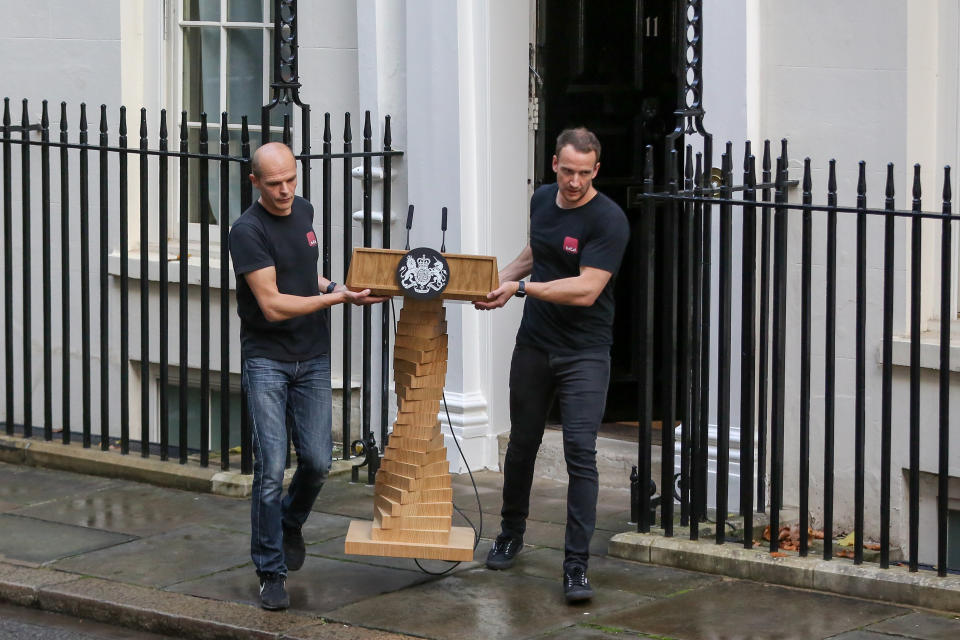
(322, 585)
(29, 485)
(741, 609)
(337, 631)
(38, 541)
(586, 632)
(20, 623)
(480, 604)
(132, 508)
(622, 575)
(864, 635)
(19, 584)
(923, 626)
(167, 558)
(343, 498)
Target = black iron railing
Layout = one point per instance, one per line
(154, 211)
(686, 207)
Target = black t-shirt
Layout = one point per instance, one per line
(288, 243)
(563, 240)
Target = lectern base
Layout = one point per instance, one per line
(359, 542)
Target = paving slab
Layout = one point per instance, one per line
(346, 499)
(480, 604)
(29, 485)
(922, 626)
(20, 623)
(587, 632)
(634, 577)
(126, 507)
(164, 559)
(741, 609)
(864, 635)
(38, 541)
(336, 631)
(321, 585)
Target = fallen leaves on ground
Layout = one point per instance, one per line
(788, 539)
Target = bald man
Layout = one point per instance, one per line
(285, 347)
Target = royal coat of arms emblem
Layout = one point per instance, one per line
(423, 273)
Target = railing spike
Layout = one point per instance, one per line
(832, 179)
(143, 122)
(747, 152)
(63, 117)
(6, 112)
(83, 116)
(224, 133)
(807, 179)
(698, 171)
(103, 118)
(752, 172)
(25, 114)
(327, 137)
(347, 134)
(123, 122)
(688, 165)
(367, 128)
(244, 131)
(183, 126)
(917, 192)
(163, 124)
(947, 193)
(889, 188)
(387, 136)
(766, 155)
(862, 179)
(44, 115)
(203, 127)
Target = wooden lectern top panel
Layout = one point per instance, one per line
(471, 277)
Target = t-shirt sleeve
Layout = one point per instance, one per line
(248, 249)
(607, 244)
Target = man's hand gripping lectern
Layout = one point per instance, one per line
(413, 498)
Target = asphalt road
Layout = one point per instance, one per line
(18, 623)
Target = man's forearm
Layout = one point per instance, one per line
(520, 268)
(570, 291)
(282, 306)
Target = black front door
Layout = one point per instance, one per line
(609, 66)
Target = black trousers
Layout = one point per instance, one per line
(580, 382)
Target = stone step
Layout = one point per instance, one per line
(615, 459)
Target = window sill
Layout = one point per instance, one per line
(173, 268)
(929, 348)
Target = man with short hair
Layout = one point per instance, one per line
(577, 240)
(285, 348)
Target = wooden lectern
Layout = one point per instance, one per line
(413, 497)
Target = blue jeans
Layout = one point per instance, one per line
(580, 383)
(281, 395)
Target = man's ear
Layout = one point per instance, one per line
(554, 163)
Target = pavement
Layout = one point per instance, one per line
(176, 563)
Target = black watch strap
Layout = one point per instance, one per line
(521, 289)
(331, 286)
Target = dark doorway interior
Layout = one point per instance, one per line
(610, 66)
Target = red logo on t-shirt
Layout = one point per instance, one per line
(571, 245)
(311, 238)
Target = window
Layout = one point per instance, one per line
(223, 60)
(194, 408)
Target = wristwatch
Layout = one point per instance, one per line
(521, 289)
(331, 287)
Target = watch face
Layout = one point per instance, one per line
(423, 273)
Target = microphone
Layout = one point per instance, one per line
(409, 224)
(443, 228)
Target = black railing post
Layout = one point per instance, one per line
(748, 353)
(830, 362)
(183, 288)
(104, 249)
(861, 354)
(124, 291)
(669, 375)
(367, 313)
(385, 307)
(326, 167)
(8, 268)
(66, 394)
(779, 349)
(246, 199)
(163, 215)
(915, 284)
(805, 274)
(723, 345)
(224, 224)
(886, 420)
(204, 213)
(706, 269)
(943, 467)
(697, 512)
(144, 290)
(346, 367)
(684, 330)
(85, 277)
(26, 266)
(763, 389)
(45, 271)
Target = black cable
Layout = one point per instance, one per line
(476, 492)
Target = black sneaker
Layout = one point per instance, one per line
(294, 550)
(576, 586)
(504, 552)
(273, 594)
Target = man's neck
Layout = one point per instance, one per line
(581, 202)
